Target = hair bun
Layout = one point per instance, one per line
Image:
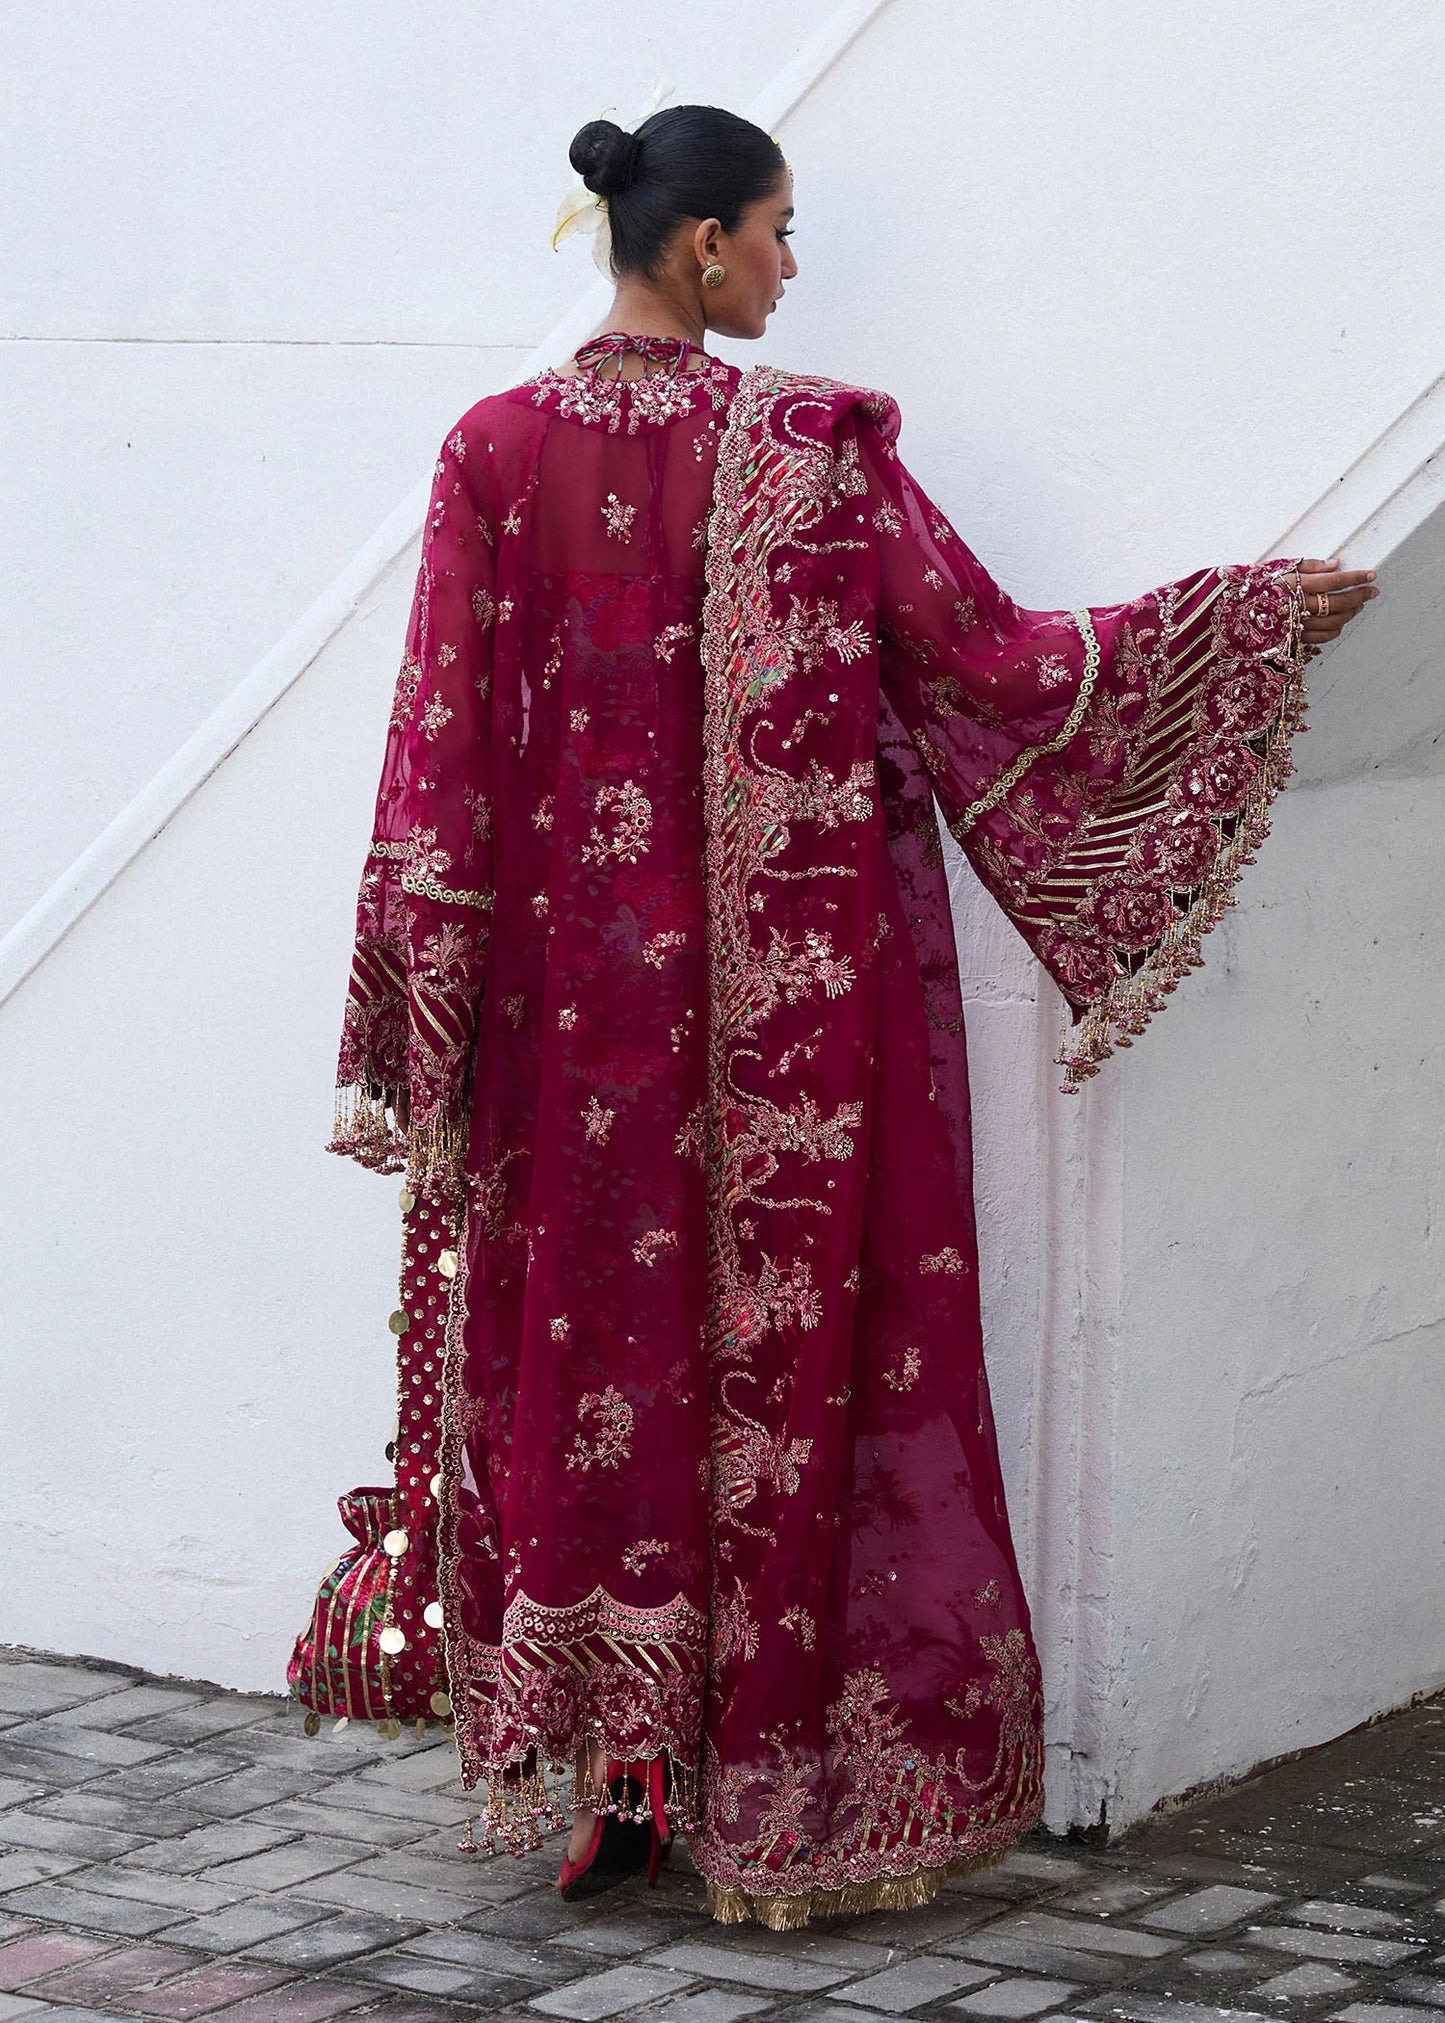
(605, 156)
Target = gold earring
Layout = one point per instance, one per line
(714, 276)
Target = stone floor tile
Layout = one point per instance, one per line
(88, 1805)
(38, 1687)
(23, 2005)
(423, 1871)
(1303, 1984)
(608, 1994)
(721, 1961)
(112, 1974)
(1137, 2006)
(32, 1865)
(63, 1903)
(353, 1889)
(1337, 1917)
(301, 2002)
(1107, 1899)
(69, 2013)
(812, 1943)
(393, 1801)
(281, 1868)
(244, 1925)
(1427, 1988)
(543, 1965)
(341, 1822)
(1207, 1910)
(1347, 1948)
(67, 1735)
(65, 1836)
(445, 1978)
(346, 1937)
(150, 1886)
(206, 1989)
(835, 2012)
(1381, 2012)
(1025, 1995)
(1046, 1868)
(925, 1978)
(540, 1915)
(413, 2009)
(249, 1789)
(996, 1948)
(134, 1703)
(1220, 1960)
(432, 1767)
(709, 2005)
(1076, 1935)
(207, 1847)
(179, 1770)
(221, 1716)
(947, 1917)
(46, 1767)
(26, 1959)
(613, 1935)
(15, 1791)
(1407, 1888)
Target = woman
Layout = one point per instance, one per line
(656, 1001)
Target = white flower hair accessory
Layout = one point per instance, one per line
(581, 210)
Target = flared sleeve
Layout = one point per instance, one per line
(1108, 771)
(424, 912)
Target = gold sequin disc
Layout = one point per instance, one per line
(400, 1321)
(395, 1544)
(392, 1639)
(436, 1487)
(432, 1616)
(447, 1264)
(389, 1729)
(407, 1200)
(441, 1704)
(312, 1724)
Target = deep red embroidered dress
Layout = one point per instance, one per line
(656, 1001)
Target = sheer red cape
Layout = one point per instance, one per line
(656, 1001)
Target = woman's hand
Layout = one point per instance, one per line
(1332, 598)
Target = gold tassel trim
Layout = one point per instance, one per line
(884, 1893)
(365, 1128)
(521, 1805)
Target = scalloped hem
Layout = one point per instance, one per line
(1120, 1015)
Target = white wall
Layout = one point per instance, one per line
(1145, 287)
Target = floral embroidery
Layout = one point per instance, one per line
(542, 813)
(404, 700)
(657, 945)
(906, 1375)
(484, 606)
(514, 1006)
(578, 718)
(435, 717)
(512, 524)
(649, 1248)
(888, 519)
(618, 518)
(457, 444)
(965, 611)
(802, 1625)
(560, 1327)
(632, 828)
(598, 1121)
(670, 638)
(604, 1438)
(989, 1595)
(947, 1260)
(636, 1556)
(567, 1017)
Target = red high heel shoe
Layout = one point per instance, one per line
(631, 1827)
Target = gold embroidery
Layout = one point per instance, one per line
(997, 788)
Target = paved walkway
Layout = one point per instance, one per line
(172, 1852)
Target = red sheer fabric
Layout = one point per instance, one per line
(655, 989)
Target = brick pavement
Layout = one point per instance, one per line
(170, 1851)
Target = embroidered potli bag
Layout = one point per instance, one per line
(373, 1649)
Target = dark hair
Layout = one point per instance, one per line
(687, 161)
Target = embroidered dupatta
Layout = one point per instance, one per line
(700, 1402)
